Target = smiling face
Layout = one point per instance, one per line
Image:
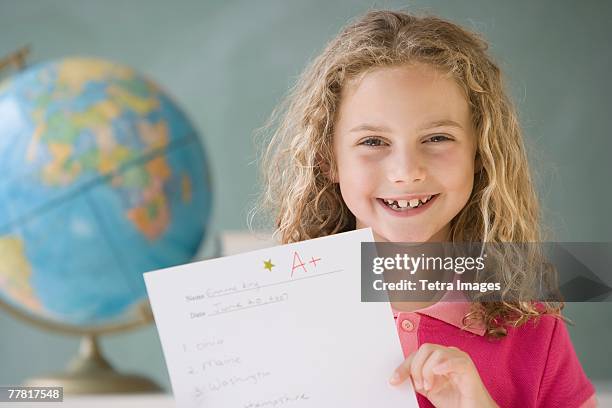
(404, 133)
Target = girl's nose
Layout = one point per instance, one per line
(406, 167)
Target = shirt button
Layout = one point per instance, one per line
(407, 325)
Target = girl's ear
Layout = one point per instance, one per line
(326, 169)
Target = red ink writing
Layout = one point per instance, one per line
(299, 264)
(314, 261)
(296, 256)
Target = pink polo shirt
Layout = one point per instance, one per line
(535, 365)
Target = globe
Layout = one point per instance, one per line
(103, 178)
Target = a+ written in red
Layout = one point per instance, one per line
(298, 263)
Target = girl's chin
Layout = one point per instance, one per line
(401, 237)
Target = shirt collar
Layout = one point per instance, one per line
(451, 309)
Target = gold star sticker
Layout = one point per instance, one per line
(268, 265)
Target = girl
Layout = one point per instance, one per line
(402, 124)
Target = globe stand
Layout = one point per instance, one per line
(90, 373)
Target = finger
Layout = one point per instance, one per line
(417, 363)
(437, 357)
(448, 366)
(442, 368)
(402, 372)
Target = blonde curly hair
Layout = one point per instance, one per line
(298, 161)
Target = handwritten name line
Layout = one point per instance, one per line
(193, 298)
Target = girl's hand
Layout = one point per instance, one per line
(446, 376)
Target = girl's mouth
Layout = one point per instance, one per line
(407, 207)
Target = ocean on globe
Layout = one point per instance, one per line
(102, 178)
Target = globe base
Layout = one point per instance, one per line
(90, 373)
(96, 383)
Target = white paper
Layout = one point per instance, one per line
(235, 334)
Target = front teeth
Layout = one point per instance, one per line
(405, 203)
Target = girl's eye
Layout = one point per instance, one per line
(438, 138)
(372, 141)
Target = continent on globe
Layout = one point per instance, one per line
(15, 272)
